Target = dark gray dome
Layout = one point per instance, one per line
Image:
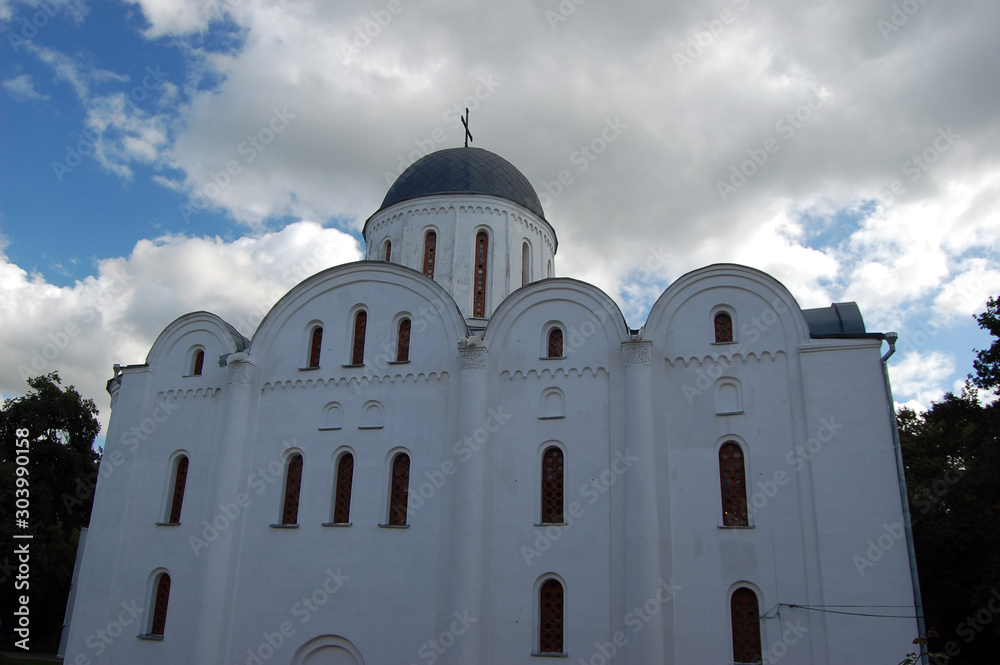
(464, 171)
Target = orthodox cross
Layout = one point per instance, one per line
(465, 121)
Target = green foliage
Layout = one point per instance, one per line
(952, 458)
(987, 362)
(62, 469)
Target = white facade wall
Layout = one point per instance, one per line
(640, 417)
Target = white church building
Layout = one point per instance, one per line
(446, 454)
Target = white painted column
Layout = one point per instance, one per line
(214, 563)
(468, 501)
(642, 527)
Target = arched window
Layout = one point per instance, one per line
(199, 363)
(400, 485)
(388, 251)
(732, 473)
(177, 499)
(293, 484)
(479, 278)
(723, 327)
(315, 346)
(358, 351)
(161, 598)
(556, 343)
(746, 626)
(552, 486)
(550, 617)
(525, 263)
(403, 341)
(430, 249)
(342, 498)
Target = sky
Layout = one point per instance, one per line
(159, 157)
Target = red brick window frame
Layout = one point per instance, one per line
(399, 486)
(403, 341)
(553, 464)
(345, 482)
(555, 343)
(430, 253)
(733, 482)
(479, 281)
(177, 498)
(315, 346)
(161, 599)
(358, 348)
(723, 327)
(551, 613)
(746, 626)
(293, 487)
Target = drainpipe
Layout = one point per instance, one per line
(891, 337)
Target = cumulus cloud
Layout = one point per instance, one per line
(920, 377)
(116, 314)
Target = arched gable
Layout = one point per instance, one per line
(592, 324)
(334, 295)
(765, 317)
(173, 350)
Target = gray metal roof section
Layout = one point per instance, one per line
(464, 171)
(841, 319)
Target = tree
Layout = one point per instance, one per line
(987, 362)
(952, 458)
(62, 468)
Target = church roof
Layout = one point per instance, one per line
(464, 171)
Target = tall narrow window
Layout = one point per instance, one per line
(552, 486)
(315, 346)
(345, 480)
(399, 489)
(746, 627)
(177, 499)
(160, 601)
(199, 363)
(479, 281)
(555, 343)
(403, 341)
(723, 327)
(732, 472)
(293, 484)
(388, 250)
(550, 617)
(525, 264)
(360, 324)
(430, 249)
